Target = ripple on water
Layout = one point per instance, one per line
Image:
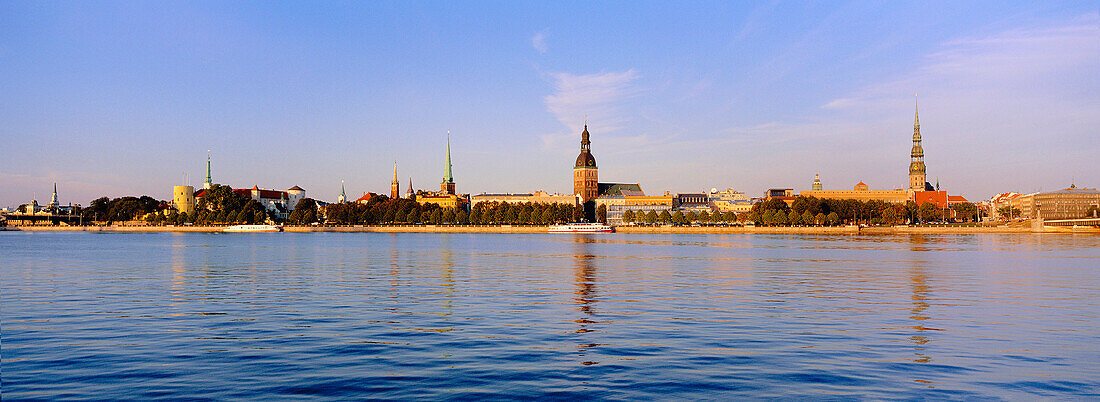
(465, 316)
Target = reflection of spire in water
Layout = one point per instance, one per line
(584, 277)
(447, 276)
(918, 282)
(394, 265)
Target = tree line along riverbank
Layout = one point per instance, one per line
(811, 230)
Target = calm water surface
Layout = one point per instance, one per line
(399, 316)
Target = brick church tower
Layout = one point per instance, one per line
(585, 181)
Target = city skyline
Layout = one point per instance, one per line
(123, 99)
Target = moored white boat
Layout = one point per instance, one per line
(253, 228)
(580, 227)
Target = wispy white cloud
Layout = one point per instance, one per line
(595, 95)
(1022, 100)
(539, 42)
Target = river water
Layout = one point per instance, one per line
(519, 316)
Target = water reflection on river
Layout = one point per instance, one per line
(519, 316)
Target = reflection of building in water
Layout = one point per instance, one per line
(447, 281)
(584, 276)
(585, 279)
(918, 283)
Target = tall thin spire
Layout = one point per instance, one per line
(343, 195)
(917, 169)
(209, 182)
(916, 113)
(447, 177)
(395, 185)
(53, 199)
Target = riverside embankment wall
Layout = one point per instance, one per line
(542, 229)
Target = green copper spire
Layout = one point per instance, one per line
(208, 183)
(447, 177)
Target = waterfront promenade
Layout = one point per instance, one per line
(815, 230)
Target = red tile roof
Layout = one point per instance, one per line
(936, 197)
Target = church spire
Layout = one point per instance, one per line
(586, 145)
(343, 195)
(53, 199)
(448, 184)
(916, 114)
(916, 163)
(395, 185)
(208, 183)
(447, 178)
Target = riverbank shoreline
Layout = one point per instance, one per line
(829, 230)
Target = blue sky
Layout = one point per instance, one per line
(123, 98)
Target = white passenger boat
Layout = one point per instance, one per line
(253, 228)
(581, 227)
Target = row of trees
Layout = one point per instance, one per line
(105, 209)
(678, 217)
(855, 211)
(815, 211)
(381, 209)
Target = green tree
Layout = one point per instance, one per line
(705, 217)
(628, 216)
(665, 217)
(965, 211)
(820, 218)
(651, 217)
(930, 212)
(461, 217)
(781, 218)
(794, 218)
(437, 217)
(547, 216)
(768, 217)
(678, 218)
(244, 216)
(601, 213)
(807, 218)
(413, 216)
(833, 218)
(889, 216)
(510, 215)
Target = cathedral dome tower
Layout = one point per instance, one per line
(585, 177)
